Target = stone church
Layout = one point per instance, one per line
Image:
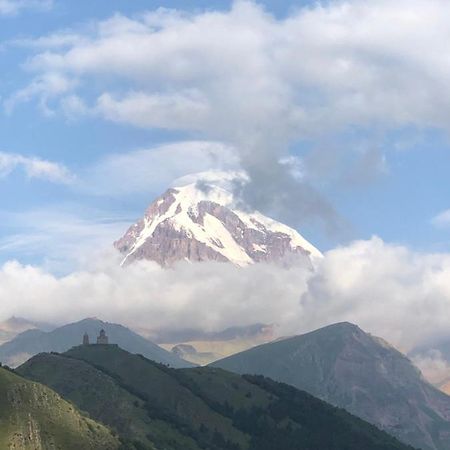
(102, 338)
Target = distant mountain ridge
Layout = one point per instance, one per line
(32, 342)
(230, 333)
(200, 347)
(200, 222)
(11, 327)
(354, 370)
(154, 407)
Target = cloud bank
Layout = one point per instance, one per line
(387, 290)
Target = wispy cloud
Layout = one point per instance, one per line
(45, 88)
(35, 168)
(442, 220)
(151, 170)
(13, 7)
(59, 236)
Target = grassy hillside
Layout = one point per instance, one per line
(34, 417)
(166, 398)
(154, 407)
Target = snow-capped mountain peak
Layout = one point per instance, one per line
(199, 222)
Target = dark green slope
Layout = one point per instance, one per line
(160, 387)
(33, 416)
(363, 374)
(201, 408)
(32, 342)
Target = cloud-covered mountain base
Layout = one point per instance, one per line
(386, 289)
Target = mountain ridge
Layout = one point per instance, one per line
(13, 326)
(32, 342)
(351, 369)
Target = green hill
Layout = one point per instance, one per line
(152, 406)
(33, 417)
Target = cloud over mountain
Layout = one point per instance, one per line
(404, 296)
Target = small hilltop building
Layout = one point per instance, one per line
(85, 339)
(102, 338)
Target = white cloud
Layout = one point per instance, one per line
(442, 220)
(433, 366)
(170, 111)
(13, 7)
(345, 63)
(146, 295)
(389, 290)
(35, 168)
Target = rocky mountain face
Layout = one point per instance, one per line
(151, 406)
(32, 342)
(34, 417)
(200, 222)
(351, 369)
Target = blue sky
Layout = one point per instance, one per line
(366, 120)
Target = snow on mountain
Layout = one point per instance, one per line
(200, 221)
